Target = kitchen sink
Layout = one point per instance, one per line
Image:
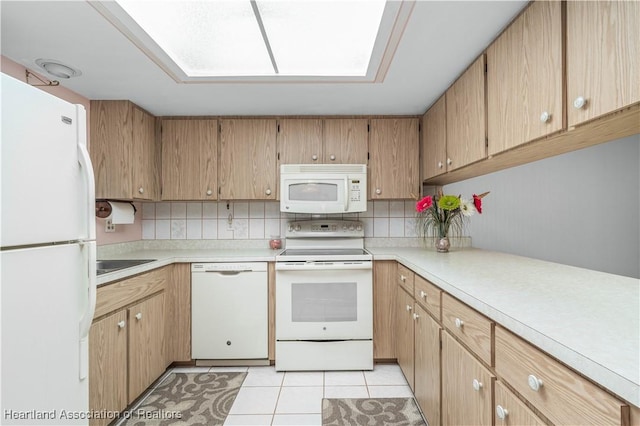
(105, 266)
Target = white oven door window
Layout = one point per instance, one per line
(324, 302)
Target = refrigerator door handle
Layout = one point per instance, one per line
(85, 163)
(87, 318)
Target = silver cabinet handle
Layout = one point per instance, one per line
(332, 157)
(141, 190)
(268, 191)
(139, 316)
(209, 192)
(121, 324)
(314, 157)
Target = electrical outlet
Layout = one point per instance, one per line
(109, 226)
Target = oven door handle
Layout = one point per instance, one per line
(321, 266)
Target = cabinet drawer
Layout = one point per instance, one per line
(405, 278)
(113, 296)
(427, 295)
(509, 410)
(563, 396)
(472, 328)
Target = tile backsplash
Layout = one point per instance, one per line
(259, 220)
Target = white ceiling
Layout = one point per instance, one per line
(441, 39)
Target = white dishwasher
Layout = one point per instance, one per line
(229, 303)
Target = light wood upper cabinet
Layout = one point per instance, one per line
(346, 140)
(189, 163)
(434, 140)
(247, 168)
(603, 57)
(524, 78)
(122, 149)
(393, 163)
(466, 124)
(146, 344)
(300, 141)
(467, 387)
(107, 366)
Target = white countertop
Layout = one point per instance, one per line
(589, 320)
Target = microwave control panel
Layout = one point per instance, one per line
(355, 192)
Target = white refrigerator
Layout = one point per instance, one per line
(47, 258)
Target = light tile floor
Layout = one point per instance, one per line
(268, 397)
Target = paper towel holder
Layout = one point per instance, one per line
(104, 209)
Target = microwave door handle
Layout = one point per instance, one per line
(346, 194)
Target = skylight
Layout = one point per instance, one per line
(262, 38)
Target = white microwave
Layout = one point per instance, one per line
(323, 188)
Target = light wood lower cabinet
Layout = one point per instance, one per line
(427, 365)
(146, 344)
(107, 366)
(178, 314)
(467, 387)
(557, 392)
(404, 335)
(384, 306)
(510, 411)
(142, 325)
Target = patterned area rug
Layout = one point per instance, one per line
(371, 412)
(189, 399)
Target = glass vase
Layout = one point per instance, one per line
(442, 244)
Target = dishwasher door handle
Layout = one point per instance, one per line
(230, 272)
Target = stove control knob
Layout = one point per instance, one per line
(351, 228)
(359, 228)
(298, 227)
(290, 227)
(344, 227)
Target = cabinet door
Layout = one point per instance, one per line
(394, 158)
(466, 126)
(247, 159)
(427, 365)
(434, 140)
(300, 141)
(178, 313)
(346, 140)
(146, 344)
(404, 335)
(145, 170)
(384, 306)
(524, 78)
(603, 57)
(511, 411)
(189, 149)
(108, 365)
(111, 148)
(467, 387)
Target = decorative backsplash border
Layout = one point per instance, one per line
(260, 220)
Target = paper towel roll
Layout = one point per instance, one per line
(121, 213)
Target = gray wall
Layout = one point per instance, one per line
(580, 208)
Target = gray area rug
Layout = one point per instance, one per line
(191, 399)
(371, 412)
